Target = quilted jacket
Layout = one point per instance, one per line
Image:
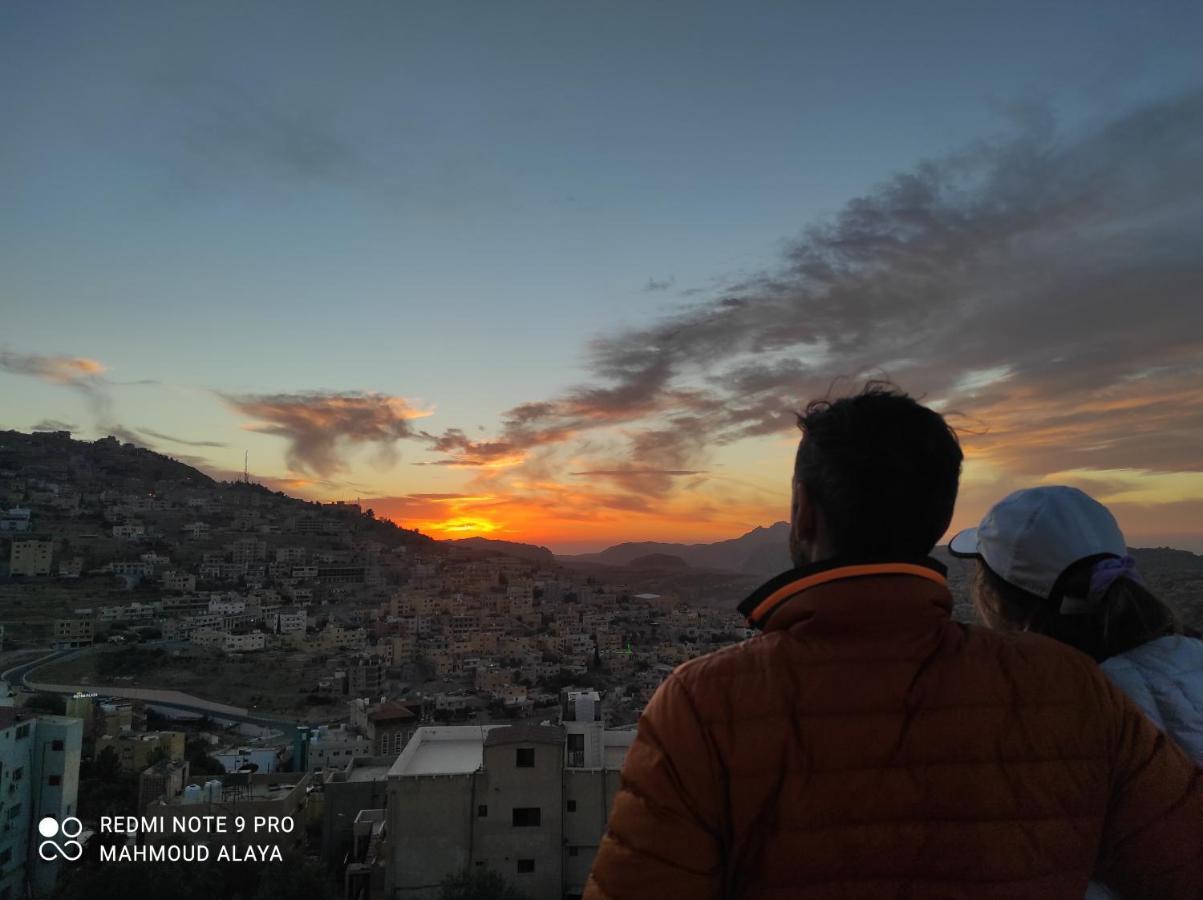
(865, 745)
(1165, 679)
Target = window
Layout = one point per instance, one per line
(574, 851)
(525, 758)
(54, 780)
(482, 811)
(6, 855)
(56, 745)
(526, 866)
(23, 731)
(18, 773)
(576, 751)
(572, 806)
(527, 816)
(15, 810)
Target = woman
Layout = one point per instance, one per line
(1052, 560)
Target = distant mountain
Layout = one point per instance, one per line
(762, 551)
(510, 548)
(658, 561)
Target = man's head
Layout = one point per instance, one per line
(875, 477)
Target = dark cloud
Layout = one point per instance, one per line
(54, 425)
(320, 426)
(175, 440)
(1045, 285)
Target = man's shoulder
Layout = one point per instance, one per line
(728, 662)
(1034, 662)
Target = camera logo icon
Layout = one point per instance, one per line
(67, 830)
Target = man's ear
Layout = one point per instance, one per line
(803, 517)
(803, 527)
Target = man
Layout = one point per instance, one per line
(865, 745)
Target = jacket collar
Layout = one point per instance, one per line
(832, 581)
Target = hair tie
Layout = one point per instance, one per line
(1106, 571)
(1102, 575)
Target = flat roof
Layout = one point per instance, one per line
(368, 773)
(449, 750)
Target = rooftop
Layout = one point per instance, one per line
(447, 750)
(369, 773)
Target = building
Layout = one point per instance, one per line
(39, 776)
(360, 784)
(365, 677)
(387, 725)
(503, 798)
(72, 633)
(137, 750)
(164, 779)
(30, 557)
(283, 795)
(333, 747)
(82, 705)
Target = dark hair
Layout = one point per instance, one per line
(881, 469)
(1128, 614)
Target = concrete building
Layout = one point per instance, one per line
(164, 779)
(365, 677)
(72, 633)
(82, 705)
(30, 558)
(359, 785)
(332, 747)
(277, 794)
(39, 776)
(136, 750)
(503, 798)
(387, 725)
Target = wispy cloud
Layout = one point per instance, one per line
(321, 426)
(158, 435)
(81, 374)
(54, 425)
(227, 128)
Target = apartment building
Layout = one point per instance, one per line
(30, 558)
(527, 801)
(39, 776)
(72, 633)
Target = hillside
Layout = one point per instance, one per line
(762, 551)
(106, 461)
(529, 552)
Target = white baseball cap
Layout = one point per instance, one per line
(1030, 537)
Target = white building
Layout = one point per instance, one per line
(529, 802)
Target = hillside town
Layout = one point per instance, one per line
(221, 643)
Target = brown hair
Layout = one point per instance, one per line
(1128, 614)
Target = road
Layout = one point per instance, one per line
(20, 674)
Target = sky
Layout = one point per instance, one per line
(561, 273)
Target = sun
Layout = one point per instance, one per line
(463, 525)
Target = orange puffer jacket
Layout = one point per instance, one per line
(865, 746)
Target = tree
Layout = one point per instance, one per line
(47, 703)
(200, 762)
(482, 884)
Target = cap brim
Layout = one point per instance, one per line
(964, 544)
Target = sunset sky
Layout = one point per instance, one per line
(560, 272)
